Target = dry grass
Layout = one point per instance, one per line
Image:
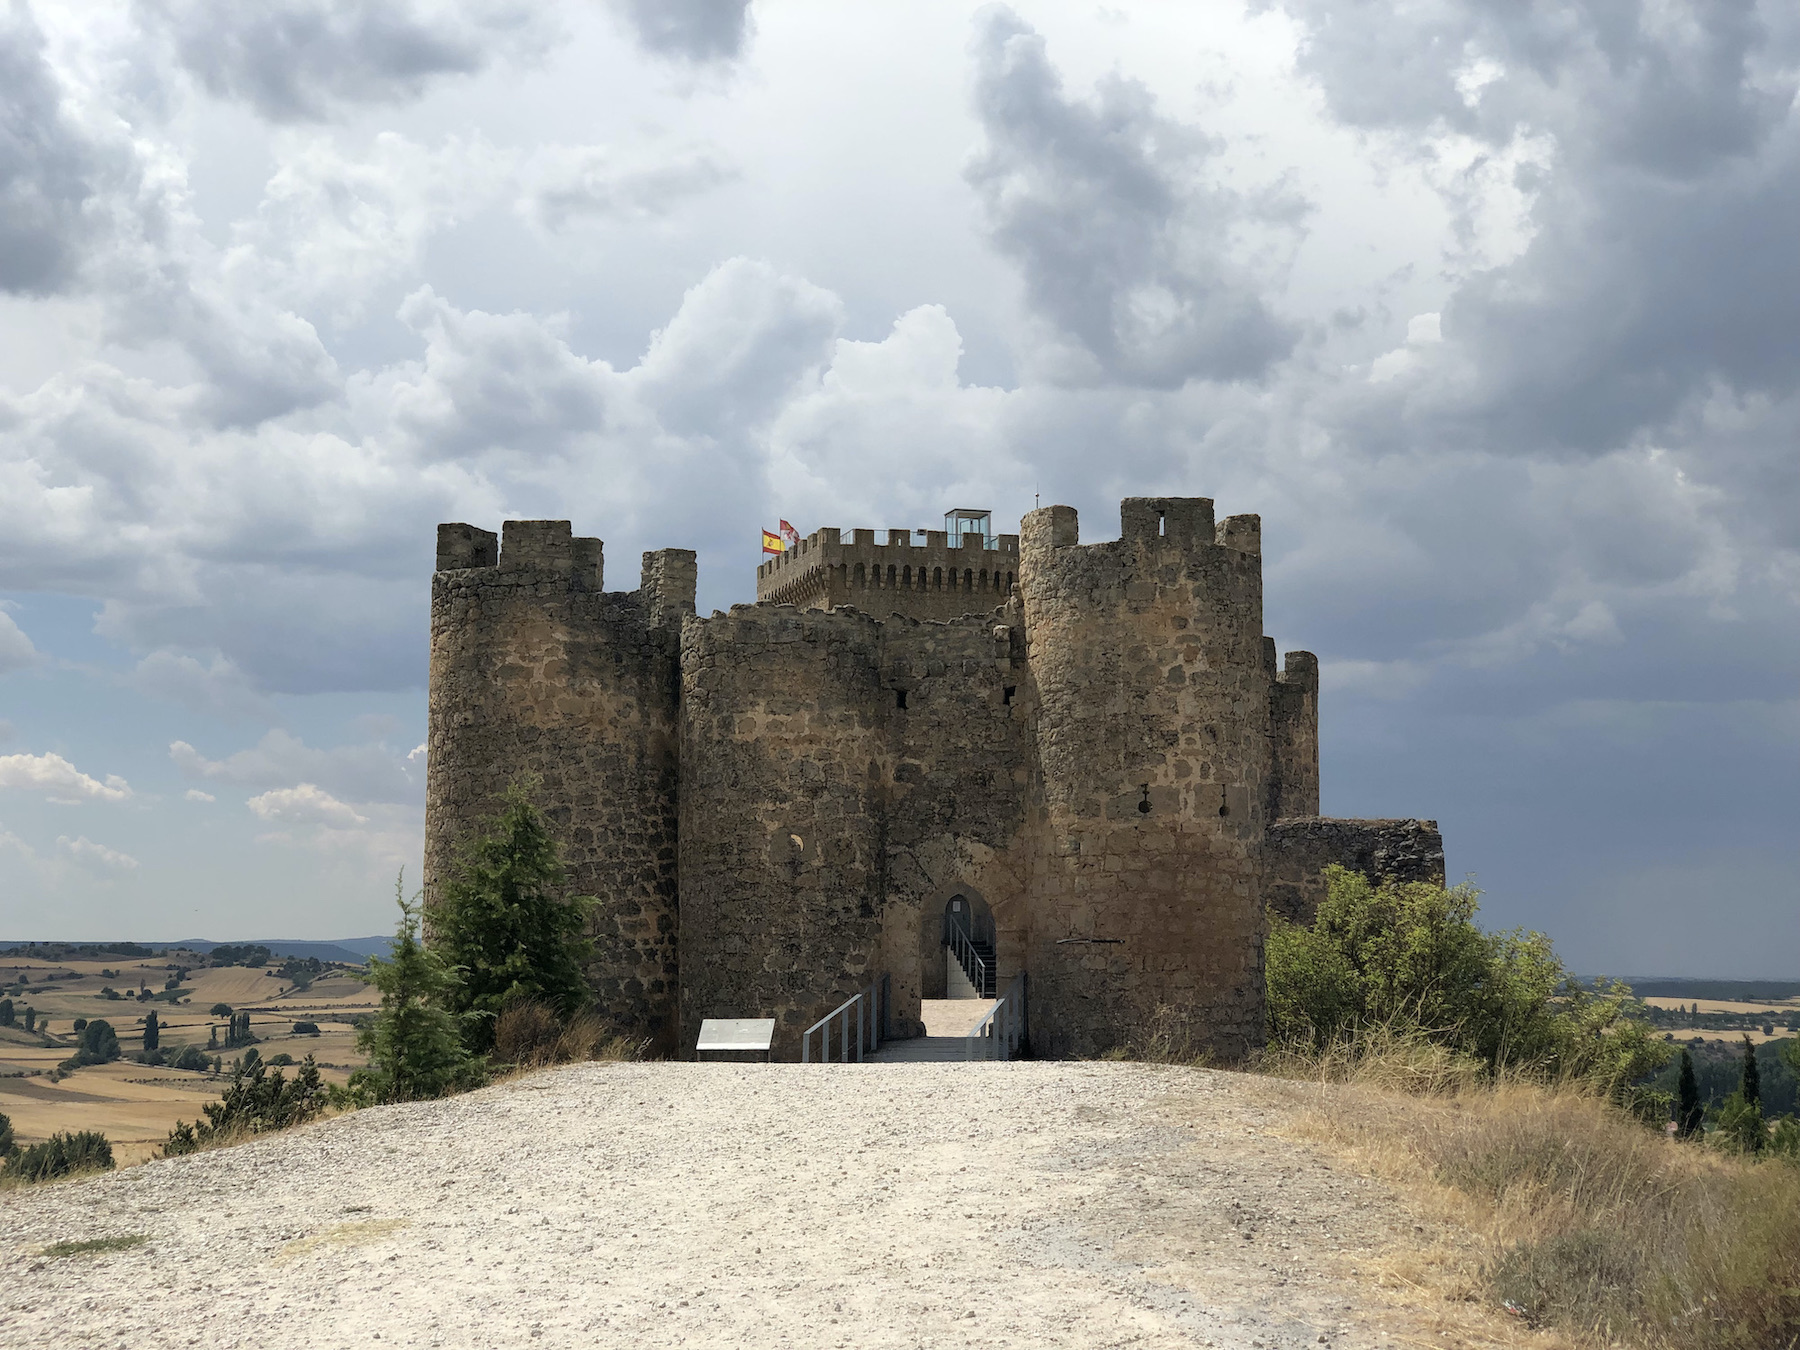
(531, 1036)
(1585, 1221)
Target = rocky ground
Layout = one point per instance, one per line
(1023, 1204)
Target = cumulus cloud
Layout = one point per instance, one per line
(59, 780)
(305, 804)
(1124, 241)
(688, 30)
(297, 60)
(85, 850)
(16, 650)
(196, 795)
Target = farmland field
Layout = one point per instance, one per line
(135, 1105)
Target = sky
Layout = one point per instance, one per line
(1490, 308)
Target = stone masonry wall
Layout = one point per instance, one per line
(957, 804)
(536, 670)
(1152, 736)
(784, 776)
(1299, 850)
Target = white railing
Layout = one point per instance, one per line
(865, 1009)
(1000, 1034)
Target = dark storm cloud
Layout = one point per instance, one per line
(295, 60)
(1106, 208)
(46, 165)
(1662, 275)
(689, 30)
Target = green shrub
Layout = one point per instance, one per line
(61, 1155)
(99, 1045)
(255, 1102)
(191, 1059)
(306, 1028)
(1409, 956)
(6, 1136)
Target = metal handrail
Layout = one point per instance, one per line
(962, 944)
(1000, 1034)
(868, 1026)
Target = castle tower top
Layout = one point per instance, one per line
(964, 568)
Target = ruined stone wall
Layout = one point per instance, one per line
(535, 669)
(785, 769)
(1299, 850)
(1293, 734)
(921, 581)
(1153, 738)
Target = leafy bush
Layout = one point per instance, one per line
(6, 1136)
(61, 1155)
(281, 1059)
(191, 1059)
(255, 1102)
(1408, 956)
(306, 1028)
(506, 924)
(99, 1045)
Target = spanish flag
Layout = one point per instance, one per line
(773, 543)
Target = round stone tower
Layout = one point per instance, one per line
(1152, 736)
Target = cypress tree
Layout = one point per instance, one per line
(31, 1019)
(213, 1041)
(152, 1032)
(1688, 1111)
(1751, 1083)
(7, 1015)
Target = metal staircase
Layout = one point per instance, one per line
(974, 955)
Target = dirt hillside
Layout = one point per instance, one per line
(1027, 1204)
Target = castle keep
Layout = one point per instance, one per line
(1086, 755)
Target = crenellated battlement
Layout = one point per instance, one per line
(929, 580)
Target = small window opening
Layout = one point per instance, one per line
(900, 699)
(1007, 693)
(1144, 806)
(1162, 525)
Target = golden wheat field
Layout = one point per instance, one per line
(135, 1105)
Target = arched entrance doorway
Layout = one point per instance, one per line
(970, 967)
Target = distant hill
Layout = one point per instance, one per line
(350, 951)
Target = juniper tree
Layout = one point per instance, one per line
(1750, 1084)
(415, 1044)
(152, 1032)
(506, 923)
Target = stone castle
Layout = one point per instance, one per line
(1084, 754)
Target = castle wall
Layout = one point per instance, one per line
(921, 581)
(1293, 735)
(957, 803)
(1152, 737)
(536, 670)
(785, 771)
(1299, 850)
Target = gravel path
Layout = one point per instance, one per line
(1024, 1204)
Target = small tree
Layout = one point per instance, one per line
(152, 1032)
(6, 1136)
(219, 1010)
(31, 1019)
(212, 1041)
(415, 1045)
(1688, 1110)
(1750, 1083)
(506, 924)
(7, 1016)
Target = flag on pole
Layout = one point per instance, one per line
(789, 533)
(772, 542)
